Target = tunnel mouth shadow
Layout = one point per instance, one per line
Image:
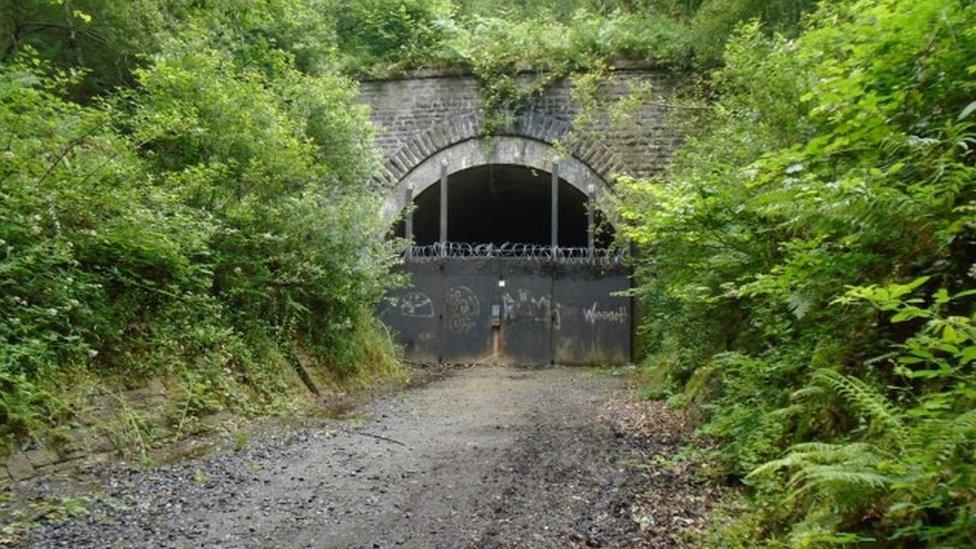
(505, 205)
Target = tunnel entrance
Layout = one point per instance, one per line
(505, 204)
(512, 265)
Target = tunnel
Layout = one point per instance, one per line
(505, 204)
(502, 280)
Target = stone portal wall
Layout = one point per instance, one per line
(417, 117)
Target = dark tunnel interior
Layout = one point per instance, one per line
(500, 204)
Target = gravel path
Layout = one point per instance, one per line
(487, 457)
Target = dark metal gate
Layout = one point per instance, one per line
(519, 305)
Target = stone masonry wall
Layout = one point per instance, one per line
(96, 433)
(117, 422)
(418, 116)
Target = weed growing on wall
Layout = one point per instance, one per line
(519, 50)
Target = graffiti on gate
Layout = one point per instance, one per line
(592, 315)
(524, 308)
(463, 309)
(510, 311)
(417, 305)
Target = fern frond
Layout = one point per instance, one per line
(807, 393)
(826, 452)
(813, 453)
(792, 410)
(837, 475)
(943, 438)
(868, 401)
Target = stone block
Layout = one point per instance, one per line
(61, 466)
(600, 158)
(97, 414)
(403, 158)
(469, 126)
(97, 459)
(438, 137)
(101, 443)
(427, 145)
(154, 388)
(416, 151)
(19, 467)
(585, 150)
(41, 457)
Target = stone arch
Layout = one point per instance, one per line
(448, 140)
(589, 149)
(509, 150)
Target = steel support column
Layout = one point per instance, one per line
(554, 229)
(590, 229)
(443, 233)
(408, 220)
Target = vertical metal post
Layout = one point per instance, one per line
(408, 221)
(554, 229)
(590, 229)
(443, 208)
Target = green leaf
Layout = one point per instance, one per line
(967, 355)
(968, 110)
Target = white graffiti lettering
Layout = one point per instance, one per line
(592, 315)
(525, 308)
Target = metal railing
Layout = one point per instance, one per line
(528, 252)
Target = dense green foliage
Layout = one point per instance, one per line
(182, 181)
(378, 38)
(199, 214)
(181, 194)
(810, 274)
(518, 49)
(375, 37)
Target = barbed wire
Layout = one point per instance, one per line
(528, 252)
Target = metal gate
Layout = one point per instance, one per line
(526, 306)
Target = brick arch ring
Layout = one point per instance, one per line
(510, 150)
(528, 141)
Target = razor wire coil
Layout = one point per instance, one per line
(534, 253)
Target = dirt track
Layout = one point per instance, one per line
(487, 457)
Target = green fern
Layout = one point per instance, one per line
(836, 479)
(868, 401)
(830, 477)
(943, 439)
(816, 453)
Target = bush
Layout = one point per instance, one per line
(832, 172)
(399, 34)
(208, 223)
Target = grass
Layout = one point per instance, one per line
(47, 510)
